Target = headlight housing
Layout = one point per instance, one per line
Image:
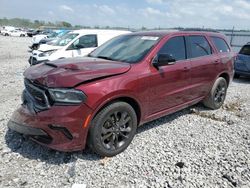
(67, 96)
(47, 53)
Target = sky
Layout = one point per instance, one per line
(217, 14)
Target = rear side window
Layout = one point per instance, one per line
(199, 46)
(174, 47)
(245, 50)
(220, 44)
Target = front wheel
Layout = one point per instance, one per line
(217, 95)
(112, 129)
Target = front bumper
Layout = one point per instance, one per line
(243, 73)
(60, 127)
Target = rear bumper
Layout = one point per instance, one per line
(60, 128)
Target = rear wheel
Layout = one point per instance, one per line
(217, 95)
(113, 129)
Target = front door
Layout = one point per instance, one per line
(169, 84)
(83, 45)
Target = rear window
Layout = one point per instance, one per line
(220, 44)
(199, 46)
(245, 50)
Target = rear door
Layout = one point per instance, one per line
(203, 65)
(169, 84)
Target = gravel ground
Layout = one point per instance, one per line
(195, 147)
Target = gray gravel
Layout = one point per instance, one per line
(195, 147)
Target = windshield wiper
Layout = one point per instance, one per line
(105, 57)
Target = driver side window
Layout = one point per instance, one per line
(86, 41)
(174, 47)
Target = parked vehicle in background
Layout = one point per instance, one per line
(242, 62)
(18, 33)
(33, 32)
(74, 44)
(36, 39)
(129, 80)
(6, 30)
(54, 37)
(43, 38)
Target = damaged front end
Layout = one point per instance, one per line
(35, 97)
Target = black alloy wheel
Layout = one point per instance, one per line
(116, 130)
(217, 95)
(220, 93)
(112, 129)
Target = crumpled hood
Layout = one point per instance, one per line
(71, 72)
(46, 47)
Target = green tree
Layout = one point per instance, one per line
(66, 24)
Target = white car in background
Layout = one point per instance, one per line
(18, 33)
(36, 39)
(74, 44)
(6, 30)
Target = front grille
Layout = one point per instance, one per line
(37, 94)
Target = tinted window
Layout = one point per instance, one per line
(199, 46)
(245, 50)
(174, 47)
(220, 44)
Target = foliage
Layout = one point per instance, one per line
(26, 23)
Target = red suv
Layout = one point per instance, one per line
(132, 79)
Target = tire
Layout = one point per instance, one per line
(35, 46)
(236, 75)
(217, 95)
(108, 134)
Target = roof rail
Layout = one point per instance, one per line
(193, 29)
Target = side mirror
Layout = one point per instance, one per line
(163, 59)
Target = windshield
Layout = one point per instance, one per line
(65, 39)
(126, 48)
(61, 34)
(52, 35)
(245, 50)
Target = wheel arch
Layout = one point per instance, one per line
(225, 76)
(131, 101)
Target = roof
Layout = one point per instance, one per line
(161, 33)
(97, 31)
